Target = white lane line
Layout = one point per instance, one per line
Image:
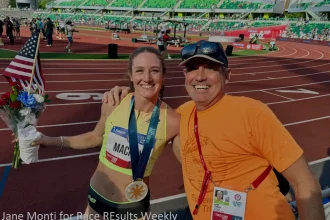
(270, 103)
(93, 122)
(284, 70)
(268, 61)
(179, 97)
(168, 198)
(277, 95)
(295, 100)
(182, 77)
(92, 74)
(171, 64)
(92, 68)
(77, 90)
(256, 80)
(306, 121)
(169, 86)
(77, 103)
(281, 87)
(97, 153)
(263, 56)
(58, 158)
(278, 78)
(96, 80)
(308, 61)
(58, 125)
(124, 64)
(288, 69)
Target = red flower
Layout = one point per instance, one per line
(19, 86)
(2, 102)
(13, 83)
(6, 96)
(16, 105)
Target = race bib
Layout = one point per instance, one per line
(228, 204)
(117, 148)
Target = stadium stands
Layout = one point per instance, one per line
(126, 3)
(179, 4)
(229, 4)
(71, 3)
(159, 4)
(263, 24)
(201, 15)
(308, 5)
(311, 28)
(96, 3)
(198, 4)
(324, 3)
(226, 25)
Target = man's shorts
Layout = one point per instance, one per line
(70, 39)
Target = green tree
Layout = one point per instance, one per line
(43, 3)
(12, 3)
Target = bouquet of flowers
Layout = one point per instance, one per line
(20, 110)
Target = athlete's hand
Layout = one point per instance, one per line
(15, 139)
(43, 140)
(115, 95)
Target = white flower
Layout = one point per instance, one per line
(33, 88)
(31, 119)
(26, 88)
(39, 98)
(25, 111)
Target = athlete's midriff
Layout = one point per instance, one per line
(114, 171)
(111, 184)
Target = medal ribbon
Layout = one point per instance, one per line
(207, 173)
(139, 162)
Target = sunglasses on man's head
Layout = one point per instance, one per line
(191, 66)
(211, 49)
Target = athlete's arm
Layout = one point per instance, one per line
(83, 141)
(307, 190)
(115, 95)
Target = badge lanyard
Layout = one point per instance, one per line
(139, 162)
(207, 173)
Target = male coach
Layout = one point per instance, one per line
(232, 144)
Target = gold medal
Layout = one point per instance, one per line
(136, 191)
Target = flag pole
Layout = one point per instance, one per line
(34, 64)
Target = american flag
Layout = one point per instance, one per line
(20, 69)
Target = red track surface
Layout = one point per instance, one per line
(61, 185)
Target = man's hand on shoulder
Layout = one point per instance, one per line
(115, 95)
(173, 122)
(173, 128)
(176, 148)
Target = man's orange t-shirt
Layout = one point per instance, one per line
(239, 138)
